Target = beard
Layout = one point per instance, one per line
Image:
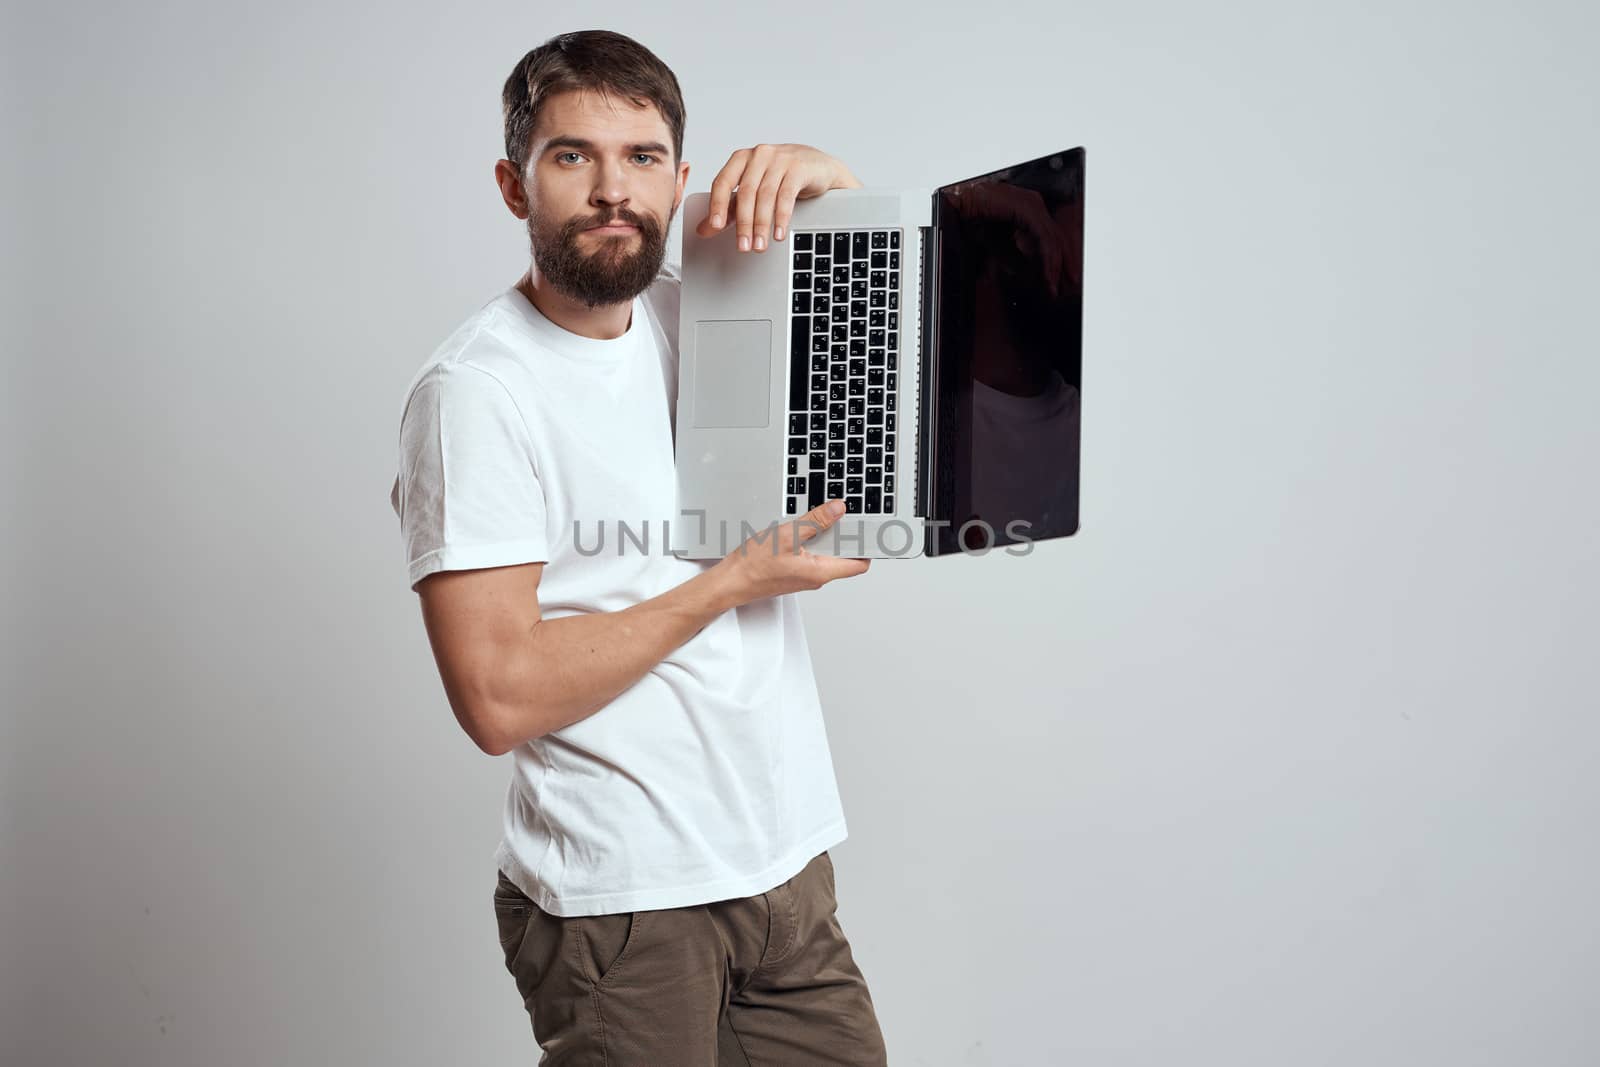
(610, 273)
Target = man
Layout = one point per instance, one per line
(665, 895)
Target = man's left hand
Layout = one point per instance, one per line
(769, 178)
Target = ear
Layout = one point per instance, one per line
(509, 179)
(683, 181)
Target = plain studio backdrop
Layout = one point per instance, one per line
(1289, 757)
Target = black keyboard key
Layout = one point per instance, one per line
(873, 499)
(841, 246)
(858, 269)
(877, 279)
(818, 440)
(853, 486)
(794, 464)
(894, 238)
(802, 260)
(814, 495)
(894, 261)
(877, 300)
(797, 485)
(820, 284)
(797, 446)
(858, 288)
(819, 420)
(802, 241)
(836, 470)
(874, 435)
(852, 505)
(858, 245)
(835, 490)
(880, 239)
(797, 423)
(857, 407)
(894, 279)
(799, 327)
(835, 450)
(888, 482)
(793, 507)
(853, 465)
(894, 298)
(858, 309)
(875, 455)
(880, 260)
(801, 303)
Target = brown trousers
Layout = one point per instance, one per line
(760, 981)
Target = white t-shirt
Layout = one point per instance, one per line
(710, 777)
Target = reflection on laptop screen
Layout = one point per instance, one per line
(1009, 354)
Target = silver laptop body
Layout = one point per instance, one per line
(754, 429)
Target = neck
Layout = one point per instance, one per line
(604, 323)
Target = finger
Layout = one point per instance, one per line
(840, 566)
(783, 208)
(722, 191)
(818, 519)
(766, 197)
(744, 202)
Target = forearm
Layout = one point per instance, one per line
(568, 668)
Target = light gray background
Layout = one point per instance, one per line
(1288, 758)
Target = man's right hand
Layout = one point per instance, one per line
(775, 561)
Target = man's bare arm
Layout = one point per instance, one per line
(511, 675)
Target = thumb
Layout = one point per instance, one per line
(819, 518)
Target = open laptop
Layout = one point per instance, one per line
(916, 353)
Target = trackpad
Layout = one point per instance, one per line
(732, 373)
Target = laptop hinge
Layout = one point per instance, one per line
(928, 377)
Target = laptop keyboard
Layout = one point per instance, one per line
(843, 367)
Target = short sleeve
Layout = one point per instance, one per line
(467, 491)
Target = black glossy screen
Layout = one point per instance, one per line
(1009, 345)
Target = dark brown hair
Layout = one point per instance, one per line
(588, 59)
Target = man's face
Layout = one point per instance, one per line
(602, 189)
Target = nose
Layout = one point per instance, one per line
(610, 186)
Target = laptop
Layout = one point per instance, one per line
(914, 352)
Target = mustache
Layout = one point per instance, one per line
(620, 216)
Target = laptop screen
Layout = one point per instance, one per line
(1009, 348)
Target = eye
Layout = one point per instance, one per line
(645, 156)
(563, 155)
